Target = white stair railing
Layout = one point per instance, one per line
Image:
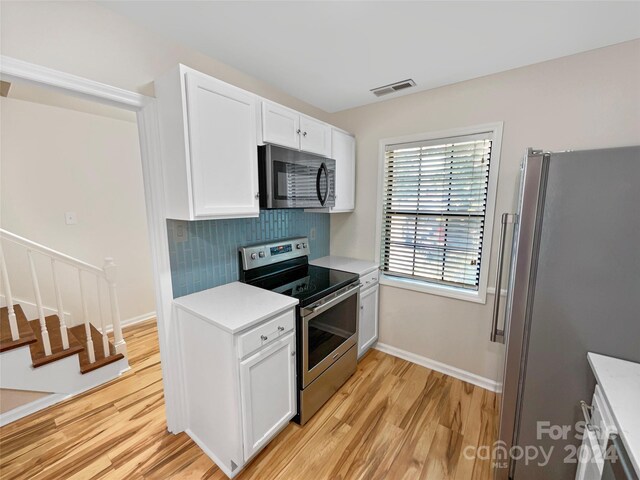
(106, 274)
(13, 322)
(36, 291)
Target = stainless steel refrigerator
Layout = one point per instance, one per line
(573, 287)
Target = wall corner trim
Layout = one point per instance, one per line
(455, 372)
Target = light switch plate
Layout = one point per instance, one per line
(312, 233)
(70, 218)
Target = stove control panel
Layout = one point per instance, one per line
(269, 253)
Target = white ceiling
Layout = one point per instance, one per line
(330, 54)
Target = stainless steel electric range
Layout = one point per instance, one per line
(327, 315)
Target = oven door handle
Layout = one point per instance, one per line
(308, 313)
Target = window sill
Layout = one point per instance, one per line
(440, 290)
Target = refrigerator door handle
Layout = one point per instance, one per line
(495, 331)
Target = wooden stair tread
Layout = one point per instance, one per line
(38, 356)
(101, 359)
(26, 334)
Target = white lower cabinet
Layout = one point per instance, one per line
(368, 326)
(267, 388)
(239, 388)
(590, 460)
(599, 426)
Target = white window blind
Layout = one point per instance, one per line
(435, 200)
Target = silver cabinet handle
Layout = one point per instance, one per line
(586, 413)
(495, 332)
(304, 134)
(298, 131)
(257, 194)
(281, 329)
(264, 337)
(293, 354)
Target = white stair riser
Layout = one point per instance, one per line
(61, 376)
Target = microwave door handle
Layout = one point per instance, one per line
(323, 168)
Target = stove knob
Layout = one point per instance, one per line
(261, 254)
(253, 256)
(299, 246)
(304, 245)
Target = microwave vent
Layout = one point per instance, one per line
(393, 87)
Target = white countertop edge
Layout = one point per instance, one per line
(634, 455)
(245, 326)
(338, 263)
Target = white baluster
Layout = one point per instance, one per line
(36, 289)
(110, 273)
(63, 323)
(13, 322)
(105, 337)
(87, 328)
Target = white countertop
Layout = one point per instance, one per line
(361, 267)
(620, 383)
(235, 306)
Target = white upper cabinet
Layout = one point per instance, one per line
(286, 127)
(280, 125)
(343, 151)
(315, 136)
(208, 134)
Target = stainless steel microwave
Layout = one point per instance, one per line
(294, 179)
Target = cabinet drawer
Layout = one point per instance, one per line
(265, 333)
(369, 279)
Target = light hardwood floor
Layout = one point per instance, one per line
(392, 419)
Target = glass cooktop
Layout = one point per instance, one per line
(307, 283)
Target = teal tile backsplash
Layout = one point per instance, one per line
(209, 255)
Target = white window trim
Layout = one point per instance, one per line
(479, 296)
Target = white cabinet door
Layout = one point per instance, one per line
(368, 327)
(268, 391)
(222, 142)
(280, 125)
(590, 459)
(343, 151)
(315, 136)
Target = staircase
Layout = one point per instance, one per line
(44, 354)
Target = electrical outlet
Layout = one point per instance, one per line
(180, 232)
(312, 233)
(70, 218)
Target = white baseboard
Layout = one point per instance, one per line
(32, 407)
(455, 372)
(134, 320)
(31, 309)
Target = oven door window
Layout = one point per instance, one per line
(330, 329)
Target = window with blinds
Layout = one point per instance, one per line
(435, 200)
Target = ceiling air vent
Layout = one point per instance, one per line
(394, 87)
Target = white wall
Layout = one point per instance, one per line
(86, 39)
(55, 160)
(590, 100)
